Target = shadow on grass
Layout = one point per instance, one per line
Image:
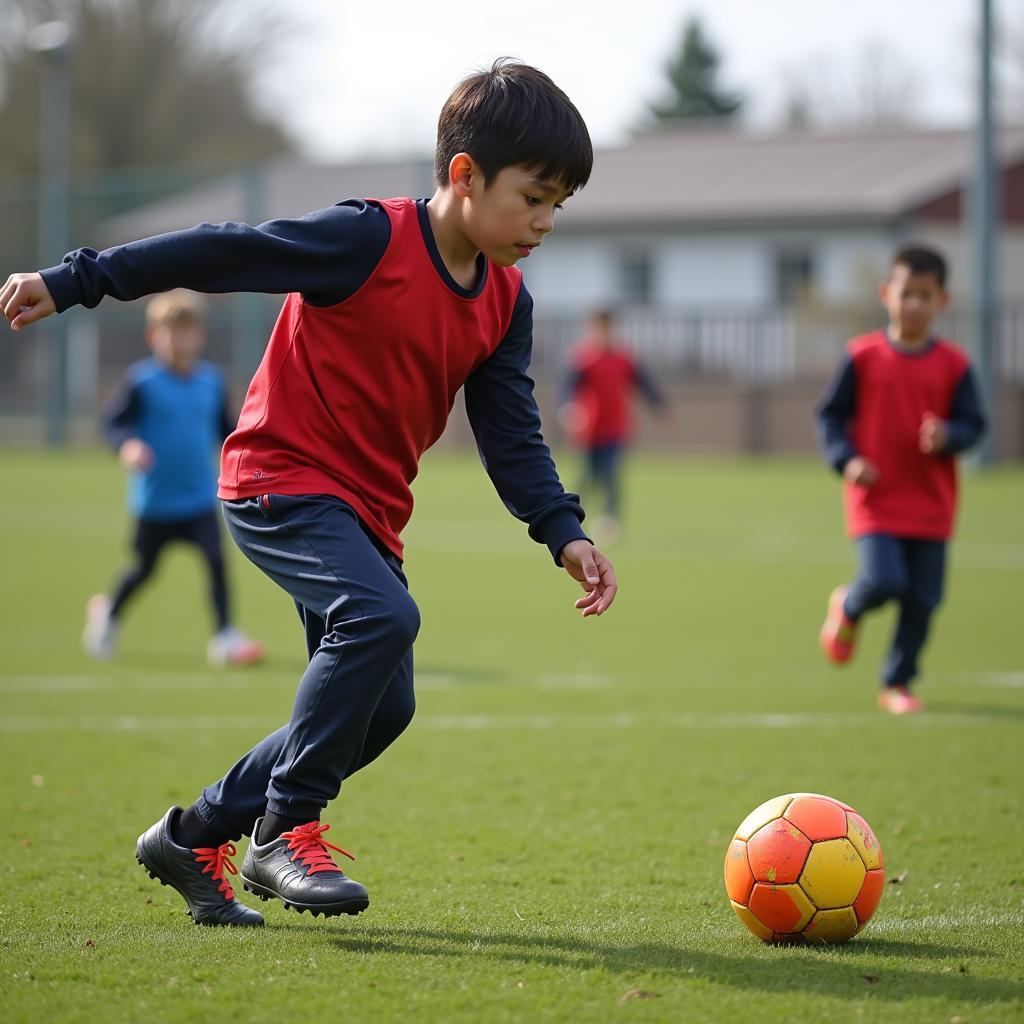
(846, 972)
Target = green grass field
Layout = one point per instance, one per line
(546, 842)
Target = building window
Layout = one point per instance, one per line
(794, 274)
(636, 276)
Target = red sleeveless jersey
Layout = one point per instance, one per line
(603, 391)
(348, 397)
(915, 495)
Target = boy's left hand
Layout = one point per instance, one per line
(24, 299)
(584, 563)
(933, 435)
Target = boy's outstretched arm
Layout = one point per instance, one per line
(506, 423)
(326, 256)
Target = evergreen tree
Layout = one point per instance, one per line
(692, 75)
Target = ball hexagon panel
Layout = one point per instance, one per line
(832, 926)
(859, 833)
(768, 811)
(782, 908)
(738, 879)
(776, 852)
(744, 914)
(833, 874)
(818, 818)
(870, 895)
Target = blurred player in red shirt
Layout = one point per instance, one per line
(901, 406)
(597, 411)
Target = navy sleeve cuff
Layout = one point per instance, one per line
(557, 530)
(839, 456)
(63, 286)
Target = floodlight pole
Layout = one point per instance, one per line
(52, 41)
(985, 205)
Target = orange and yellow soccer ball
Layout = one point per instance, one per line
(804, 868)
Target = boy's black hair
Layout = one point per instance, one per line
(920, 259)
(514, 116)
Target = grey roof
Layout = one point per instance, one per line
(280, 188)
(715, 175)
(690, 176)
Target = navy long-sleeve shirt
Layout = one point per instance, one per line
(874, 407)
(329, 258)
(837, 405)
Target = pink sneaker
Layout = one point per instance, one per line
(839, 634)
(898, 700)
(99, 638)
(232, 647)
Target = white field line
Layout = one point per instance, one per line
(148, 681)
(1004, 680)
(574, 681)
(240, 681)
(896, 926)
(502, 722)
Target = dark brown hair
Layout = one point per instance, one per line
(920, 259)
(514, 116)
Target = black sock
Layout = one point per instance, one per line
(273, 825)
(192, 831)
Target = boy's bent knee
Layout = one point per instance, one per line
(886, 586)
(403, 620)
(391, 619)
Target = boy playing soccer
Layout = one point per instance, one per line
(164, 422)
(900, 407)
(393, 306)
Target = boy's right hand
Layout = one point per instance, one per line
(136, 454)
(25, 299)
(861, 472)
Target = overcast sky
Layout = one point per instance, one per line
(370, 78)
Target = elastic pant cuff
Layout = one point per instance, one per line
(217, 821)
(307, 812)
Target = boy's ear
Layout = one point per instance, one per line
(462, 172)
(883, 293)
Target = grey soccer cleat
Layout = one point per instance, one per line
(298, 869)
(197, 875)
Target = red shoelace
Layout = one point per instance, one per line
(214, 861)
(311, 848)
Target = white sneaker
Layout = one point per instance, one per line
(232, 647)
(100, 633)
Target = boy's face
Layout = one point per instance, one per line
(507, 219)
(912, 301)
(601, 330)
(177, 346)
